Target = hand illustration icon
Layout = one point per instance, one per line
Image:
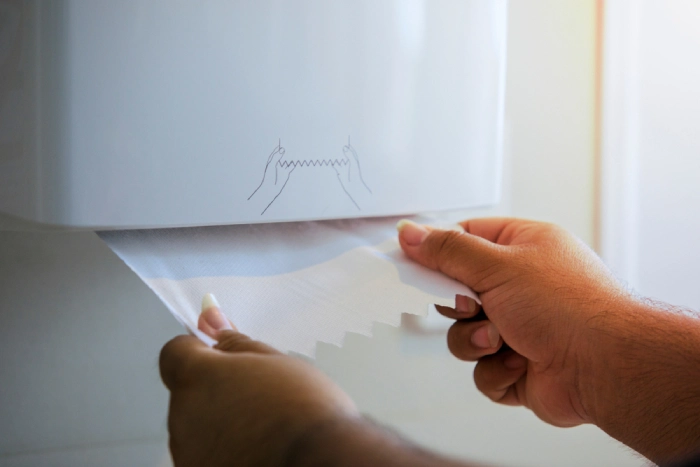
(275, 178)
(278, 170)
(350, 177)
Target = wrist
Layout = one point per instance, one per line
(602, 344)
(643, 378)
(357, 441)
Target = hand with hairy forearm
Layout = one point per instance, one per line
(647, 387)
(582, 349)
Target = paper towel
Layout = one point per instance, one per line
(289, 285)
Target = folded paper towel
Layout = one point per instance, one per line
(289, 285)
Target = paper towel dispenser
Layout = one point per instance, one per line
(147, 113)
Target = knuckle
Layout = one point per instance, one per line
(479, 378)
(447, 246)
(484, 379)
(458, 342)
(555, 234)
(236, 342)
(233, 342)
(493, 394)
(452, 343)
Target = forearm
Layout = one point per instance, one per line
(645, 389)
(357, 441)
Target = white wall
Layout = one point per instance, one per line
(669, 152)
(79, 342)
(551, 112)
(652, 148)
(79, 335)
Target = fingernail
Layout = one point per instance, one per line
(412, 233)
(486, 337)
(515, 362)
(465, 304)
(212, 314)
(209, 301)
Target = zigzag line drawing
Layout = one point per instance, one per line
(279, 152)
(313, 163)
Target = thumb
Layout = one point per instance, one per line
(467, 258)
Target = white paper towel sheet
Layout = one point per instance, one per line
(289, 285)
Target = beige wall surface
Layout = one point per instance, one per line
(79, 334)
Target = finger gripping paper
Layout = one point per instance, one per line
(289, 285)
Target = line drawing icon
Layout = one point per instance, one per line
(348, 149)
(278, 171)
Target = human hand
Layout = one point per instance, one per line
(242, 402)
(541, 290)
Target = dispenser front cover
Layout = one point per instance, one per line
(156, 113)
